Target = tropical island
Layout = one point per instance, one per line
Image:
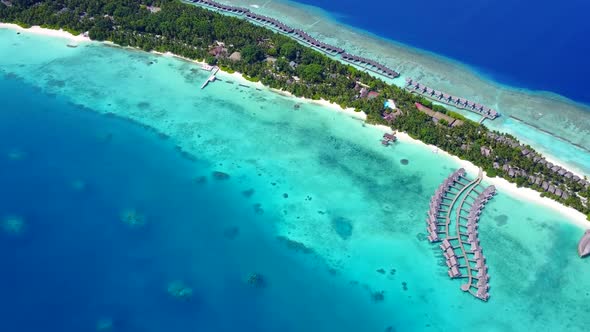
(280, 62)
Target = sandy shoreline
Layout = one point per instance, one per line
(575, 217)
(46, 32)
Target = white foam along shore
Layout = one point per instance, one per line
(574, 216)
(47, 32)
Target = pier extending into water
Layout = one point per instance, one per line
(301, 36)
(211, 77)
(445, 98)
(452, 220)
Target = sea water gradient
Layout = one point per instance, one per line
(567, 121)
(313, 203)
(537, 44)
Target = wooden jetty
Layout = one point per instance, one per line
(584, 245)
(458, 233)
(445, 98)
(211, 77)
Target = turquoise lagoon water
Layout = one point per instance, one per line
(549, 111)
(313, 203)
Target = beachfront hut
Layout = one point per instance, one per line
(558, 192)
(373, 95)
(551, 189)
(485, 151)
(568, 175)
(561, 172)
(235, 56)
(545, 185)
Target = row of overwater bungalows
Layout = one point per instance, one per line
(302, 35)
(451, 100)
(437, 205)
(472, 258)
(375, 66)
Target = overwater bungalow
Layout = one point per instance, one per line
(481, 283)
(483, 280)
(449, 253)
(482, 294)
(445, 245)
(480, 264)
(452, 261)
(478, 255)
(454, 272)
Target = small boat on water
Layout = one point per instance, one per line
(388, 139)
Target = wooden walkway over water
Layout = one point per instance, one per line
(452, 219)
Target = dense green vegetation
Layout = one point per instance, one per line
(282, 63)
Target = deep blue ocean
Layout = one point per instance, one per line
(539, 45)
(69, 173)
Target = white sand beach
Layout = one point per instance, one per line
(47, 32)
(570, 214)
